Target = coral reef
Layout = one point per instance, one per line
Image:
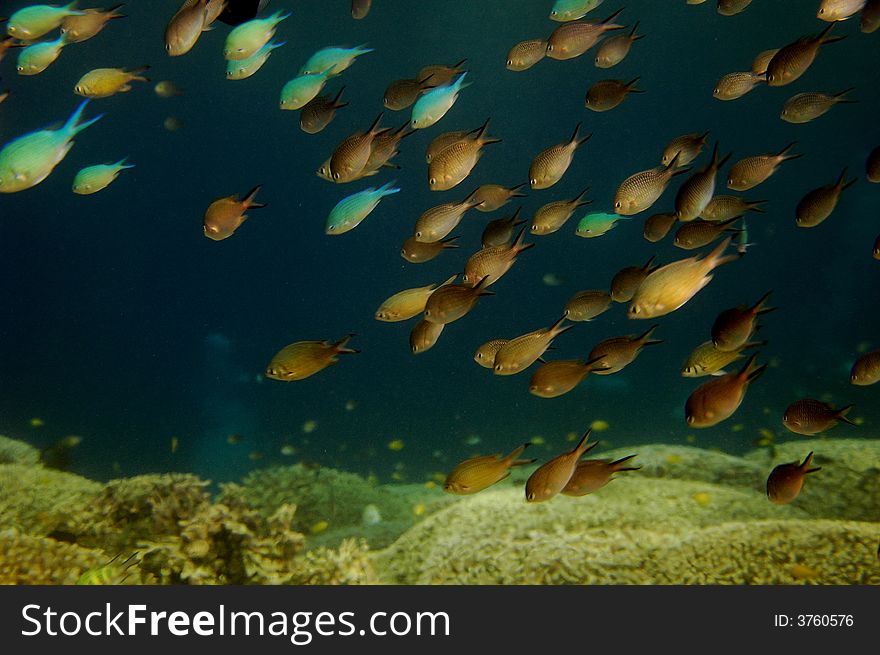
(26, 559)
(13, 451)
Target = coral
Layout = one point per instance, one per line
(350, 564)
(13, 451)
(25, 559)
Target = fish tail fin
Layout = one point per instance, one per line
(447, 243)
(758, 307)
(576, 136)
(459, 83)
(645, 337)
(516, 191)
(724, 160)
(122, 165)
(579, 201)
(839, 96)
(623, 460)
(73, 126)
(111, 11)
(448, 281)
(372, 129)
(594, 360)
(630, 86)
(558, 328)
(784, 152)
(841, 413)
(582, 446)
(480, 287)
(515, 453)
(823, 37)
(72, 10)
(338, 96)
(612, 16)
(362, 49)
(248, 200)
(748, 372)
(280, 15)
(342, 347)
(841, 184)
(632, 33)
(752, 206)
(460, 63)
(673, 166)
(387, 189)
(469, 200)
(754, 344)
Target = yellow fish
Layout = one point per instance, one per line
(478, 473)
(408, 303)
(550, 164)
(303, 359)
(105, 82)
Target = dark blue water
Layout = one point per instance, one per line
(123, 324)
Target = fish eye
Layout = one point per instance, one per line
(530, 496)
(510, 62)
(550, 48)
(534, 181)
(418, 234)
(20, 68)
(432, 181)
(821, 11)
(335, 176)
(690, 420)
(331, 228)
(617, 205)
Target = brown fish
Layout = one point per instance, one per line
(550, 478)
(750, 172)
(866, 369)
(186, 26)
(518, 354)
(657, 226)
(485, 354)
(804, 107)
(614, 50)
(557, 378)
(699, 233)
(587, 305)
(443, 141)
(786, 480)
(761, 60)
(400, 94)
(408, 303)
(526, 54)
(706, 359)
(550, 164)
(870, 20)
(552, 216)
(305, 358)
(437, 222)
(627, 280)
(225, 215)
(424, 336)
(451, 166)
(686, 146)
(671, 286)
(77, 29)
(452, 302)
(4, 95)
(360, 8)
(696, 192)
(732, 7)
(794, 59)
(810, 416)
(723, 208)
(418, 252)
(615, 354)
(10, 42)
(478, 473)
(872, 165)
(384, 148)
(574, 38)
(605, 95)
(440, 74)
(717, 399)
(351, 156)
(832, 10)
(319, 111)
(495, 196)
(593, 474)
(490, 264)
(736, 85)
(500, 231)
(877, 248)
(818, 204)
(641, 190)
(734, 327)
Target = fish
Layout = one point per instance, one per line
(79, 28)
(95, 178)
(352, 210)
(424, 336)
(167, 89)
(441, 74)
(493, 197)
(351, 155)
(870, 17)
(877, 248)
(477, 473)
(492, 263)
(805, 107)
(418, 252)
(699, 233)
(718, 399)
(733, 327)
(671, 286)
(566, 10)
(237, 12)
(551, 477)
(185, 27)
(785, 481)
(574, 38)
(593, 474)
(872, 165)
(437, 222)
(732, 7)
(657, 226)
(641, 190)
(172, 123)
(706, 359)
(551, 217)
(794, 59)
(723, 208)
(587, 305)
(303, 359)
(10, 42)
(451, 166)
(485, 354)
(696, 192)
(37, 57)
(34, 21)
(29, 159)
(360, 8)
(526, 54)
(105, 82)
(521, 352)
(500, 231)
(302, 89)
(401, 94)
(241, 69)
(4, 94)
(596, 224)
(743, 244)
(336, 57)
(866, 369)
(834, 10)
(443, 141)
(225, 215)
(818, 204)
(750, 172)
(809, 416)
(453, 301)
(615, 354)
(408, 303)
(549, 165)
(605, 95)
(736, 85)
(627, 280)
(319, 111)
(614, 49)
(433, 105)
(384, 148)
(687, 147)
(557, 378)
(111, 573)
(762, 59)
(245, 40)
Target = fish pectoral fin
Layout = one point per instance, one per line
(124, 88)
(20, 177)
(719, 373)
